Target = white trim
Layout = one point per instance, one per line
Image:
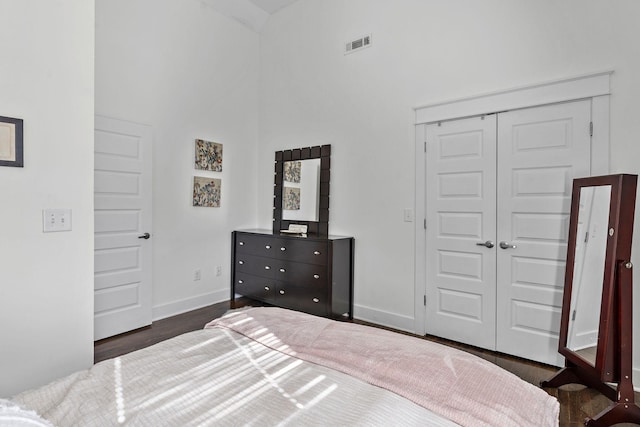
(596, 86)
(420, 275)
(383, 318)
(188, 304)
(569, 89)
(600, 149)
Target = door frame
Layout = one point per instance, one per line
(596, 86)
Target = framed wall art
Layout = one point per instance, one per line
(11, 148)
(206, 192)
(208, 155)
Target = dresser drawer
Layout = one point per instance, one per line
(305, 299)
(302, 274)
(294, 249)
(257, 265)
(255, 287)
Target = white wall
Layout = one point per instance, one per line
(188, 72)
(46, 280)
(423, 52)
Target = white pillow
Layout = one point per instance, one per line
(11, 414)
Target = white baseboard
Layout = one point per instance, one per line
(182, 306)
(384, 318)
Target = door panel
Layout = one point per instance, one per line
(122, 212)
(540, 151)
(460, 197)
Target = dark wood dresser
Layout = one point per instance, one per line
(309, 274)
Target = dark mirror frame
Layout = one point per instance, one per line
(613, 362)
(322, 152)
(621, 209)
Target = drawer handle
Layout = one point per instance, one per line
(316, 276)
(241, 243)
(266, 267)
(316, 300)
(241, 262)
(281, 292)
(282, 270)
(316, 252)
(240, 282)
(266, 288)
(267, 247)
(283, 249)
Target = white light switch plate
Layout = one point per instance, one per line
(56, 220)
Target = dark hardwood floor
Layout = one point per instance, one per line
(576, 402)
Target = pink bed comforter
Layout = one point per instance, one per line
(457, 385)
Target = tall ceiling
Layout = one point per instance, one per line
(272, 6)
(251, 13)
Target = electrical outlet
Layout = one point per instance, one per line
(219, 270)
(196, 275)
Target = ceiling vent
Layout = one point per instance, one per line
(358, 44)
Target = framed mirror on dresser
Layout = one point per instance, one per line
(297, 264)
(595, 327)
(301, 189)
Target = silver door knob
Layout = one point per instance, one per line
(505, 245)
(489, 244)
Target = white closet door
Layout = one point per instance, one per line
(461, 203)
(540, 151)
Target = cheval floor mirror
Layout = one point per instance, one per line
(596, 322)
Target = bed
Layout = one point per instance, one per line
(270, 366)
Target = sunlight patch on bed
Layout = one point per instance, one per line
(202, 344)
(308, 386)
(117, 376)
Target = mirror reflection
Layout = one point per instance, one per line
(301, 190)
(588, 271)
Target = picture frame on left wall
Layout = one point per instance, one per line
(206, 191)
(11, 143)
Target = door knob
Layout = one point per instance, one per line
(505, 245)
(145, 236)
(489, 244)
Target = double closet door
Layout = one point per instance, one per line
(498, 195)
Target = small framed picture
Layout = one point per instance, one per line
(292, 171)
(291, 199)
(208, 155)
(206, 192)
(11, 150)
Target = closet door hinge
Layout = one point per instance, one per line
(590, 128)
(424, 224)
(424, 300)
(425, 146)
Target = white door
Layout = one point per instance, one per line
(506, 180)
(122, 209)
(540, 151)
(461, 220)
